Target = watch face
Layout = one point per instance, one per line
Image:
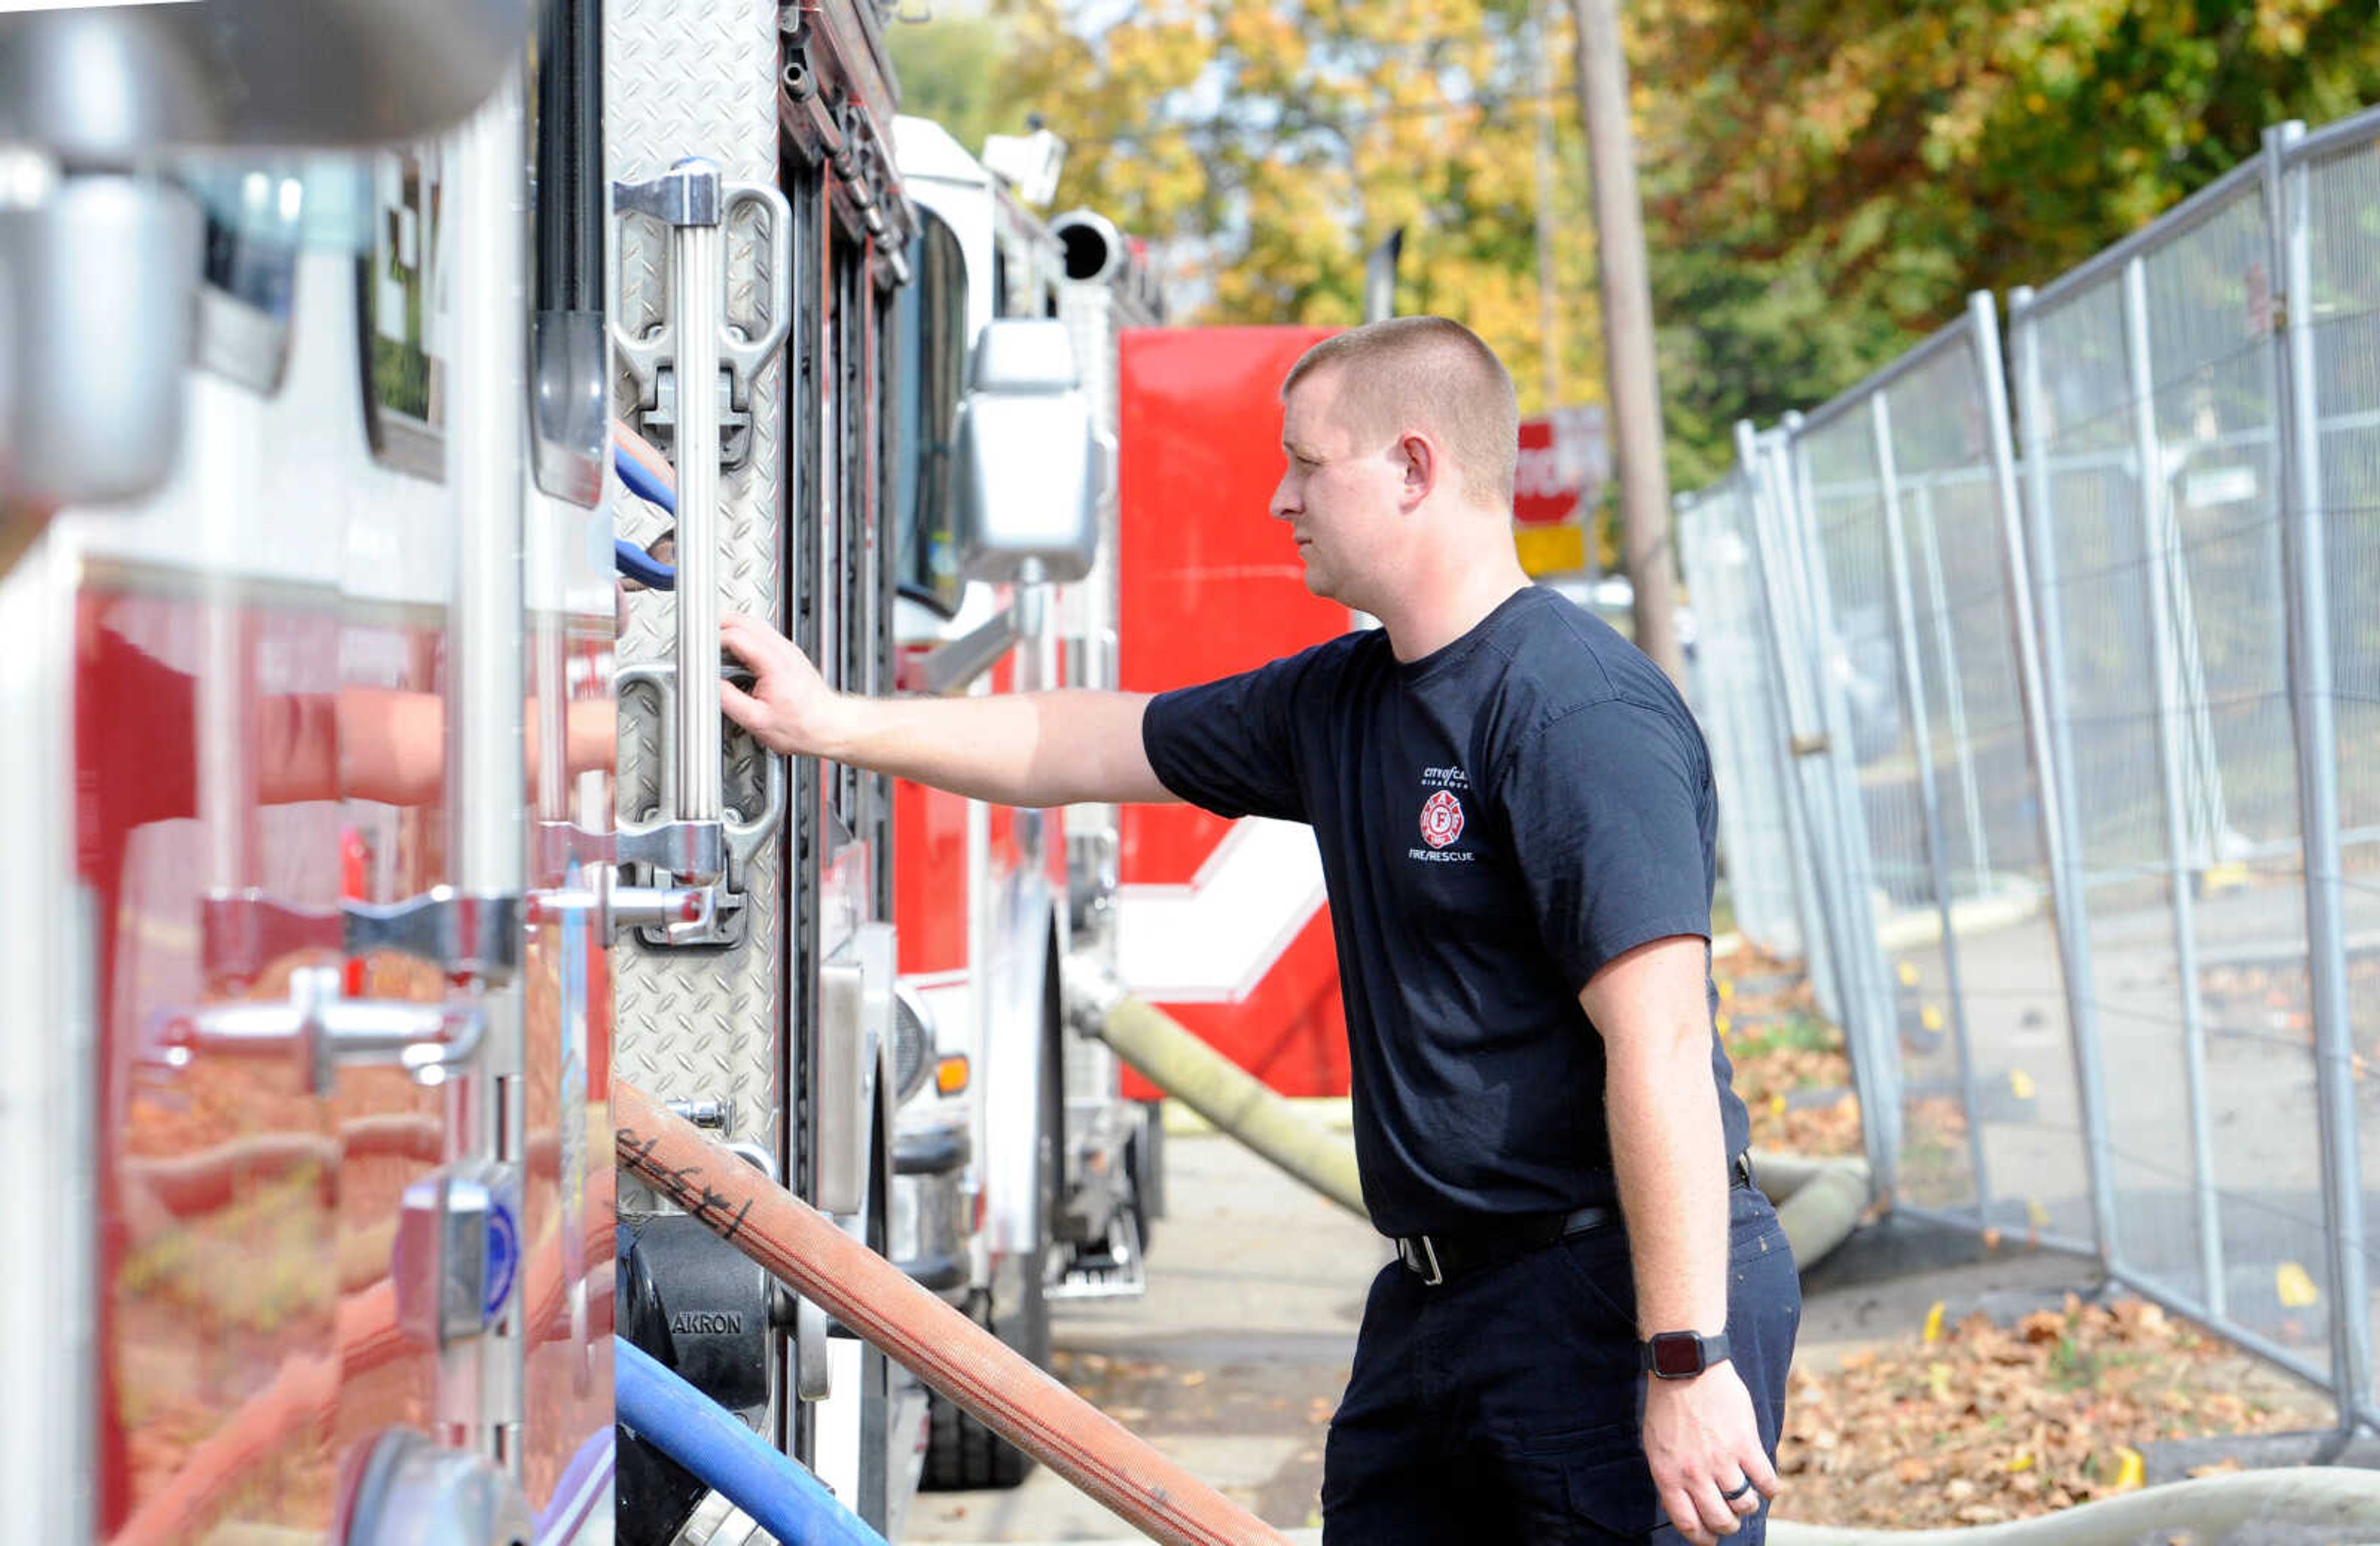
(1676, 1356)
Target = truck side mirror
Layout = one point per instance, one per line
(1029, 480)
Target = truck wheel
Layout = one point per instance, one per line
(962, 1453)
(1144, 1164)
(875, 1501)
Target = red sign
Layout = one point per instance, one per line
(1564, 459)
(1539, 498)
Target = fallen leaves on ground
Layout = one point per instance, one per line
(1989, 1423)
(1790, 1066)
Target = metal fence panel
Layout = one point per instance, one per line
(2331, 234)
(2152, 408)
(1906, 506)
(1735, 694)
(2155, 697)
(1986, 1042)
(1822, 786)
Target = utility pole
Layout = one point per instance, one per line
(1549, 280)
(1628, 333)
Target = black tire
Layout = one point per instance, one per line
(962, 1455)
(1144, 1164)
(875, 1501)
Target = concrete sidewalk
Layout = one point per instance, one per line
(1231, 1364)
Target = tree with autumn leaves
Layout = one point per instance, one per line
(1825, 180)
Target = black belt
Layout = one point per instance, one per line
(1453, 1253)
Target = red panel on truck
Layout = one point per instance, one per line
(1210, 585)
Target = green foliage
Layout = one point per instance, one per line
(950, 69)
(1792, 1032)
(1268, 145)
(1824, 180)
(1833, 179)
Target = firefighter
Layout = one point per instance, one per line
(1587, 1330)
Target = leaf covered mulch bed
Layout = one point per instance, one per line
(1971, 1423)
(1975, 1423)
(1790, 1066)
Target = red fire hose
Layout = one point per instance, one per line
(803, 1249)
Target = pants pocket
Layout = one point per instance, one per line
(1585, 1498)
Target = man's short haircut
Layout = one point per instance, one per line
(1432, 374)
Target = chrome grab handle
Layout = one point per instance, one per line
(696, 842)
(691, 198)
(686, 199)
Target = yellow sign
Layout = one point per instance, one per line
(1550, 550)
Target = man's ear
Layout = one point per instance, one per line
(1422, 466)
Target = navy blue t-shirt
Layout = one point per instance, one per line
(1498, 820)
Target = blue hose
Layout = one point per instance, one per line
(642, 481)
(642, 567)
(692, 1430)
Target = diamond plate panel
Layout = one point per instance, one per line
(699, 77)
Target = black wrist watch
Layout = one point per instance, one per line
(1680, 1355)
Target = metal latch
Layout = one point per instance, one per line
(329, 1032)
(614, 906)
(689, 874)
(458, 1253)
(241, 932)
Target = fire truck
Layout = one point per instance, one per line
(1024, 1175)
(341, 385)
(308, 582)
(341, 382)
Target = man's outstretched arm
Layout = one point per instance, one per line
(1036, 748)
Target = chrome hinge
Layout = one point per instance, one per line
(471, 936)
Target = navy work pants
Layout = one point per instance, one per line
(1506, 1406)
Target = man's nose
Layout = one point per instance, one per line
(1284, 501)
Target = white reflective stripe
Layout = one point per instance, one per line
(1212, 941)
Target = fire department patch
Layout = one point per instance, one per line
(1442, 819)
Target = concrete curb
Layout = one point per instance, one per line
(2000, 910)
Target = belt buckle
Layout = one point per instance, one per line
(1428, 1253)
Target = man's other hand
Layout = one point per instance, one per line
(1702, 1441)
(789, 708)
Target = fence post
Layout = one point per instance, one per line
(2157, 530)
(1821, 952)
(2041, 676)
(1874, 1028)
(2288, 192)
(1920, 732)
(1806, 725)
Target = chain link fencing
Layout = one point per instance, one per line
(2071, 750)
